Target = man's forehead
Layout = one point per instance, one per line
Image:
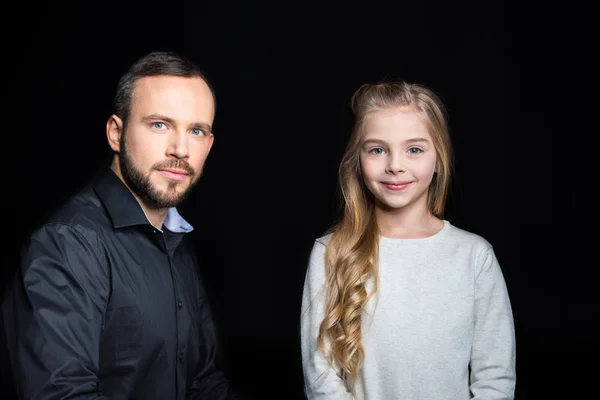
(173, 97)
(160, 83)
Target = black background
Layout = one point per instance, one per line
(518, 79)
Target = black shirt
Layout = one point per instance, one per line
(107, 306)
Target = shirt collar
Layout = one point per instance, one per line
(175, 222)
(124, 209)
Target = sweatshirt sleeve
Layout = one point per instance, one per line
(493, 374)
(321, 382)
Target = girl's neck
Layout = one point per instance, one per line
(407, 223)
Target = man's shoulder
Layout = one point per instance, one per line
(83, 211)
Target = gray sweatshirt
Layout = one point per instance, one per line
(439, 328)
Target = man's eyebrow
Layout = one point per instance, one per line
(161, 117)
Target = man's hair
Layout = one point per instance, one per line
(153, 64)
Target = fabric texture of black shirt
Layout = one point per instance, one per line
(106, 306)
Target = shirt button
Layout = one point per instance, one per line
(180, 304)
(180, 356)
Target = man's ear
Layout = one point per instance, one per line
(212, 140)
(114, 130)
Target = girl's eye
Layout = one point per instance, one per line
(415, 150)
(376, 151)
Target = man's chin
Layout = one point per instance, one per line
(168, 200)
(168, 194)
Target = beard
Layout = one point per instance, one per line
(141, 185)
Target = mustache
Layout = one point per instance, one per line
(179, 164)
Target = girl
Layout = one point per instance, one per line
(398, 303)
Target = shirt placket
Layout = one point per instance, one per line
(180, 347)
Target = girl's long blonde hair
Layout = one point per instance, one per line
(352, 254)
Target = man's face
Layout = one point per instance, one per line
(167, 138)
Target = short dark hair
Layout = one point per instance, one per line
(154, 64)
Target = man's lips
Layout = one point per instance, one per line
(174, 173)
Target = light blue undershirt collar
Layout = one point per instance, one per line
(176, 223)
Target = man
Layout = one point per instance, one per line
(108, 303)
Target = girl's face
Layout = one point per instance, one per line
(398, 158)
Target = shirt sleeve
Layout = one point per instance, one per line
(493, 374)
(321, 382)
(53, 315)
